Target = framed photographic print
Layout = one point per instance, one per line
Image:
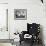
(20, 14)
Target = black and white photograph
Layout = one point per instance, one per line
(22, 22)
(20, 14)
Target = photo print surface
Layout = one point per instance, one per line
(20, 14)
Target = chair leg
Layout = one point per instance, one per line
(32, 42)
(20, 42)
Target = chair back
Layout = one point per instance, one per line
(33, 28)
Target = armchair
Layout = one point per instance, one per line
(33, 30)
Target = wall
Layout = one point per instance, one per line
(3, 1)
(3, 34)
(3, 21)
(35, 14)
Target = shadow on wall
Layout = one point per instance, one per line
(41, 34)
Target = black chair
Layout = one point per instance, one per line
(32, 29)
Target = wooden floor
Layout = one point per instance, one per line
(6, 40)
(27, 44)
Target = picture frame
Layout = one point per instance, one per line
(20, 14)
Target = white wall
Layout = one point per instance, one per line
(35, 14)
(3, 34)
(3, 1)
(3, 22)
